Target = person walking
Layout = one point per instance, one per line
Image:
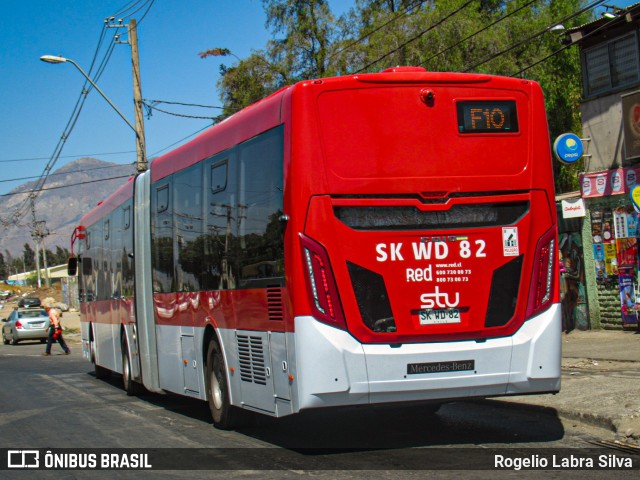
(55, 331)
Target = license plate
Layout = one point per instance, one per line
(36, 325)
(436, 316)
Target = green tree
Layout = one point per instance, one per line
(29, 257)
(303, 33)
(4, 268)
(511, 38)
(248, 81)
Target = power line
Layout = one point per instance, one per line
(181, 103)
(152, 107)
(535, 35)
(181, 140)
(67, 173)
(377, 29)
(477, 32)
(79, 104)
(43, 189)
(604, 25)
(126, 8)
(79, 155)
(414, 38)
(22, 208)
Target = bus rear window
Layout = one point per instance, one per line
(410, 218)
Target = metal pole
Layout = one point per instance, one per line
(101, 93)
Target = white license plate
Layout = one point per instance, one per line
(435, 316)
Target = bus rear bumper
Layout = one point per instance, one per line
(333, 369)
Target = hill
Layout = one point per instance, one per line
(70, 192)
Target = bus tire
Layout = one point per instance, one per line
(101, 373)
(222, 412)
(130, 385)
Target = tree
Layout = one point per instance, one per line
(248, 81)
(29, 257)
(3, 267)
(307, 29)
(511, 38)
(61, 256)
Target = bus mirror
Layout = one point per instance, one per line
(72, 266)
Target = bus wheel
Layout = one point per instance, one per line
(130, 386)
(100, 372)
(222, 411)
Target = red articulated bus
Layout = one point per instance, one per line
(366, 239)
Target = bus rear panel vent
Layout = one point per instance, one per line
(274, 304)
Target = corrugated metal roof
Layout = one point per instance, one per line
(602, 20)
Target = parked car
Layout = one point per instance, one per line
(29, 302)
(25, 324)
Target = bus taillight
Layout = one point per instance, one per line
(543, 281)
(321, 284)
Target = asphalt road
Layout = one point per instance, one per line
(56, 402)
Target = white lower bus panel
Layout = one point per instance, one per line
(320, 366)
(334, 369)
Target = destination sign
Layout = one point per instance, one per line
(487, 117)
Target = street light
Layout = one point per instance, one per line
(557, 29)
(142, 162)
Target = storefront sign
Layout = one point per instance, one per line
(568, 148)
(573, 208)
(609, 182)
(631, 122)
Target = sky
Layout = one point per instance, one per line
(38, 98)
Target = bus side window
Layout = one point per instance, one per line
(162, 238)
(219, 172)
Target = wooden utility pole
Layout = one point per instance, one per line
(141, 162)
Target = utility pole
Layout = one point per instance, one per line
(141, 163)
(36, 238)
(42, 231)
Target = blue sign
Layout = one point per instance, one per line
(568, 148)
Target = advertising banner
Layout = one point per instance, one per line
(627, 296)
(609, 182)
(631, 122)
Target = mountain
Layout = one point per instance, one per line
(69, 192)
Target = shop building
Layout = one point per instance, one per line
(610, 109)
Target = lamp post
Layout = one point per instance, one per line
(139, 131)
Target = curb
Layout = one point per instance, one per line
(591, 419)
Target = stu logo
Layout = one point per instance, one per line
(438, 299)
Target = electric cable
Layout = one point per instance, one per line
(477, 32)
(535, 35)
(414, 38)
